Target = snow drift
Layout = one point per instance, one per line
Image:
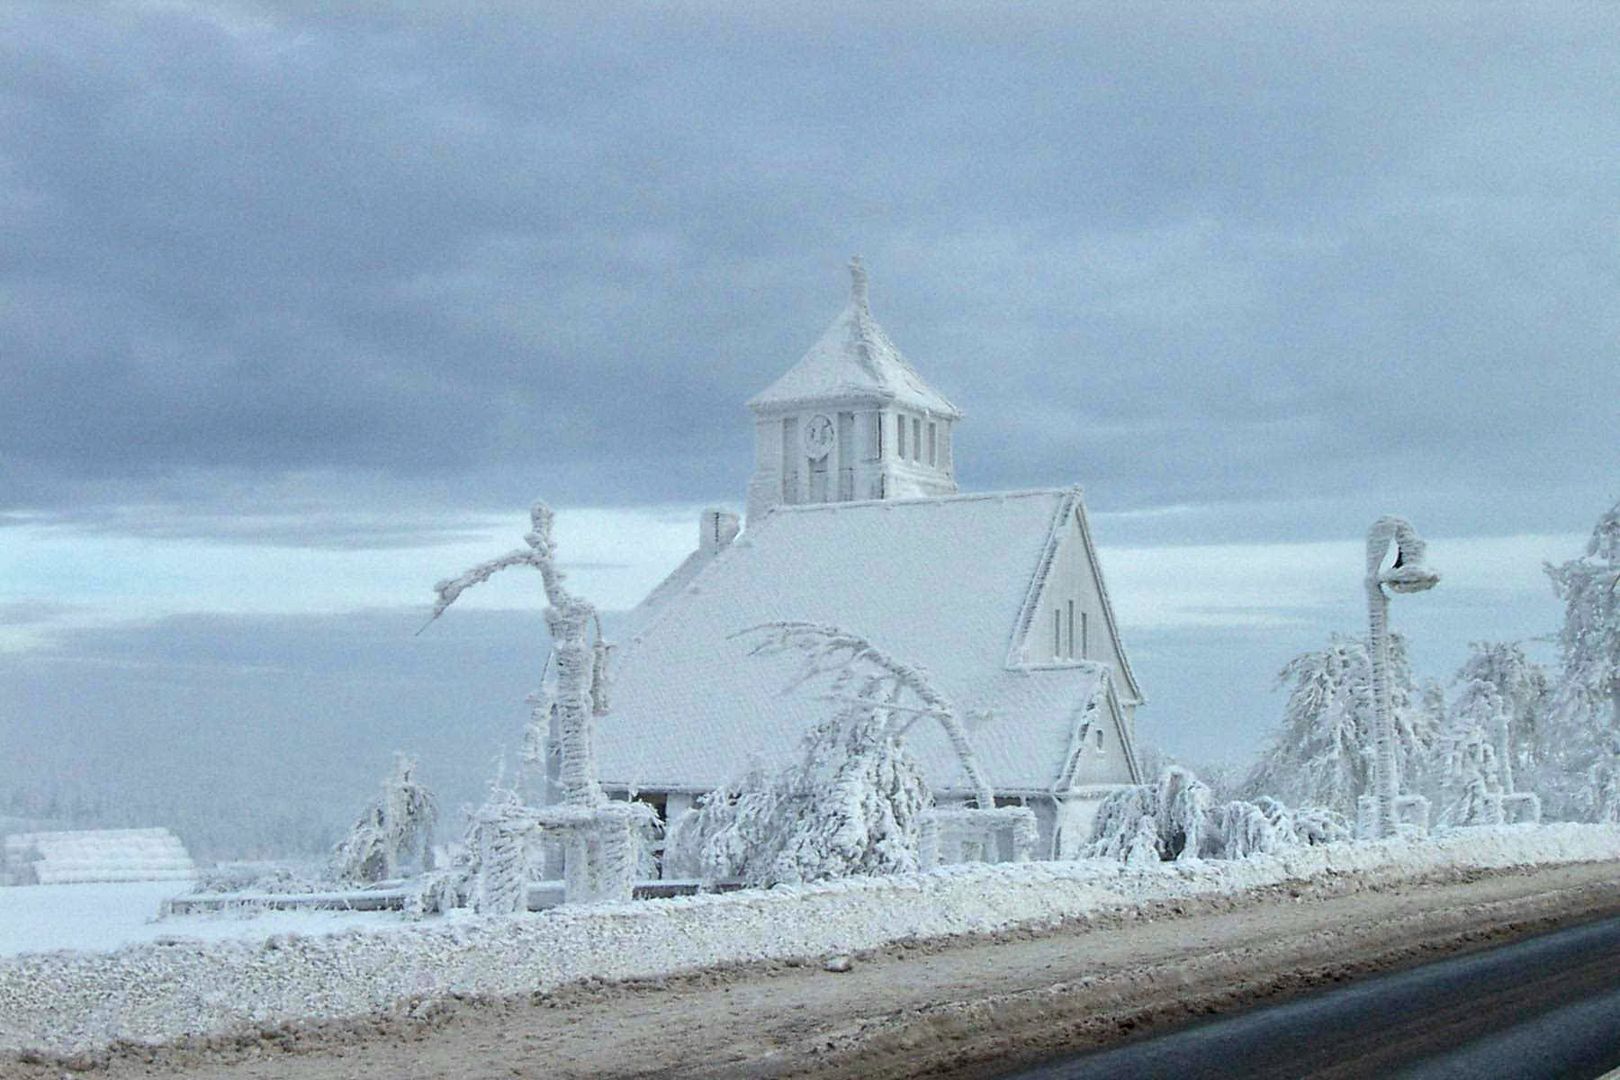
(65, 1002)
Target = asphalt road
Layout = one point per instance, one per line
(1548, 1006)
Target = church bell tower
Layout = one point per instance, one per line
(851, 420)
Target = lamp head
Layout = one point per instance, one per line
(1410, 578)
(1409, 574)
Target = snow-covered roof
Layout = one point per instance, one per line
(938, 583)
(855, 361)
(59, 858)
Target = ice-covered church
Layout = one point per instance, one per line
(854, 519)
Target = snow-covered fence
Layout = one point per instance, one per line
(963, 834)
(1411, 816)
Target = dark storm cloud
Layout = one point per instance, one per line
(1182, 255)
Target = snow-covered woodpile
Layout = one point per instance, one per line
(61, 858)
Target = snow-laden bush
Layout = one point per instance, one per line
(393, 834)
(263, 876)
(851, 805)
(1126, 828)
(1316, 825)
(1471, 790)
(1239, 829)
(1171, 814)
(1174, 820)
(1184, 802)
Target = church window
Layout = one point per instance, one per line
(1057, 633)
(818, 479)
(900, 437)
(933, 443)
(1085, 635)
(916, 439)
(874, 447)
(846, 456)
(790, 459)
(1071, 630)
(1099, 737)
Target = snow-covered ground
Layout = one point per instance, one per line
(104, 916)
(168, 989)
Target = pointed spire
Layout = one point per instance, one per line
(857, 283)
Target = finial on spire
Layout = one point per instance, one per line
(857, 282)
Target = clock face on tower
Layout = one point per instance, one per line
(818, 436)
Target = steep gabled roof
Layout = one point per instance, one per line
(854, 360)
(1074, 506)
(939, 583)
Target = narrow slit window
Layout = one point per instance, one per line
(916, 439)
(899, 436)
(933, 444)
(1085, 635)
(1070, 653)
(1057, 633)
(1099, 738)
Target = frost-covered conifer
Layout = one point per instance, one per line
(1584, 714)
(393, 833)
(1504, 693)
(1322, 753)
(1472, 788)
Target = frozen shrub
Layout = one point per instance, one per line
(392, 833)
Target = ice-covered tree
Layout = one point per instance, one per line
(1583, 717)
(393, 833)
(578, 692)
(1602, 801)
(602, 840)
(1322, 753)
(853, 799)
(1504, 693)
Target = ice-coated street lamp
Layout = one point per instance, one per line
(1407, 574)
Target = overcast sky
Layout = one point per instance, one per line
(298, 311)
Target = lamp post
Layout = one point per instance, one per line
(1407, 574)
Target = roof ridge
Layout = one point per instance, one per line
(961, 496)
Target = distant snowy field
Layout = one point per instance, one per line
(104, 916)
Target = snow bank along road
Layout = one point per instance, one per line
(1068, 965)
